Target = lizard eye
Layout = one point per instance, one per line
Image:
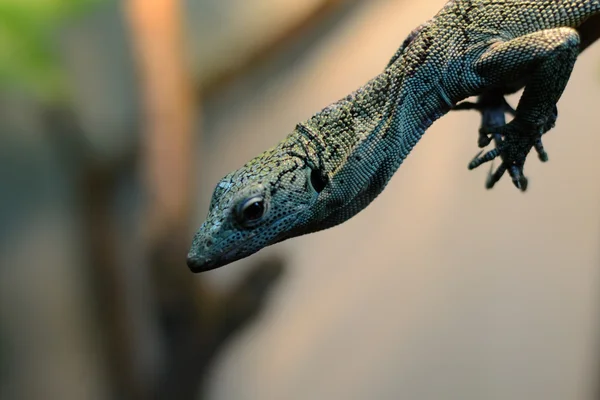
(250, 211)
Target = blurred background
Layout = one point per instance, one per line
(118, 118)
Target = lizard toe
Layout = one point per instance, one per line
(539, 148)
(481, 159)
(518, 179)
(513, 143)
(494, 177)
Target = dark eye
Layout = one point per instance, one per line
(251, 211)
(254, 210)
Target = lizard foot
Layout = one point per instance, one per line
(492, 106)
(513, 142)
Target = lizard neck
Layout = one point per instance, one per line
(332, 135)
(391, 112)
(360, 141)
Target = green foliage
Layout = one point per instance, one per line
(28, 57)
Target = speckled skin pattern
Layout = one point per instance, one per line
(334, 164)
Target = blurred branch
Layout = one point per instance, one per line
(115, 296)
(169, 110)
(161, 325)
(273, 46)
(146, 300)
(167, 155)
(194, 320)
(98, 187)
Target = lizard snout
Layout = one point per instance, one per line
(198, 263)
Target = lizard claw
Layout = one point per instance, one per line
(519, 180)
(479, 159)
(492, 178)
(515, 172)
(513, 142)
(484, 138)
(539, 148)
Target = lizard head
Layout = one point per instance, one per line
(266, 201)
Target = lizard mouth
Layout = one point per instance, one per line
(198, 264)
(201, 263)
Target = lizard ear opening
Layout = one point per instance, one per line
(318, 180)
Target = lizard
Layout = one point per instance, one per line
(334, 164)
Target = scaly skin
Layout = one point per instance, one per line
(334, 164)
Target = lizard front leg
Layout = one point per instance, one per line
(545, 60)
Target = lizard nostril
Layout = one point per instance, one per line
(209, 242)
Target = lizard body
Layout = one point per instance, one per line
(335, 163)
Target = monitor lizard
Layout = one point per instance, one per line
(331, 166)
